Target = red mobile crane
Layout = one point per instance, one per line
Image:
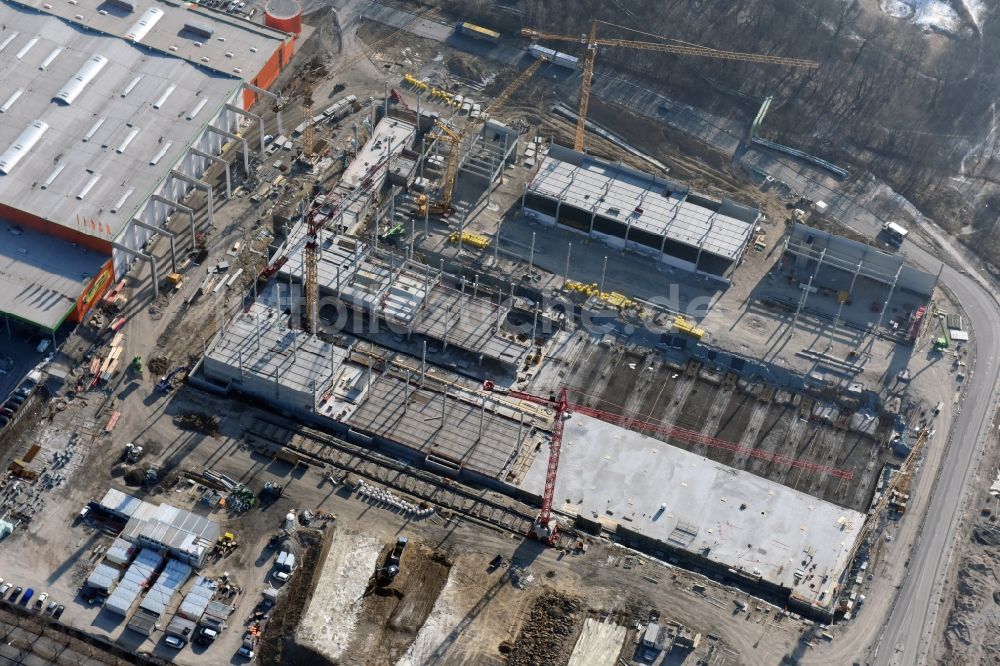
(545, 529)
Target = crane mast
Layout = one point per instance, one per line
(455, 138)
(591, 42)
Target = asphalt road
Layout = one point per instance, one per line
(908, 629)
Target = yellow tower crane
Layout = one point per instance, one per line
(455, 137)
(591, 42)
(309, 134)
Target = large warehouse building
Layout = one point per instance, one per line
(111, 113)
(640, 212)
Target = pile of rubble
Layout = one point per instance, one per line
(547, 633)
(201, 422)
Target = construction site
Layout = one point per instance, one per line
(406, 366)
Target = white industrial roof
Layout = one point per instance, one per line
(620, 193)
(731, 517)
(212, 40)
(42, 277)
(90, 122)
(174, 575)
(176, 529)
(196, 600)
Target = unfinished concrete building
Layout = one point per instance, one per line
(637, 211)
(410, 298)
(662, 498)
(818, 260)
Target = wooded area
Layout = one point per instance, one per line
(914, 107)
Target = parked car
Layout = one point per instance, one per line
(59, 611)
(4, 589)
(51, 607)
(207, 635)
(84, 512)
(40, 601)
(174, 642)
(15, 594)
(11, 405)
(6, 411)
(17, 398)
(245, 652)
(4, 421)
(27, 596)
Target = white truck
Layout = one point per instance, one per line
(894, 233)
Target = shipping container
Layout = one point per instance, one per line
(555, 57)
(477, 32)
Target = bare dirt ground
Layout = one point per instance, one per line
(391, 616)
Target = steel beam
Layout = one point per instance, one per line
(267, 93)
(252, 116)
(145, 257)
(179, 175)
(181, 208)
(217, 160)
(235, 137)
(166, 232)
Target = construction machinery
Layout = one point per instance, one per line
(309, 134)
(591, 42)
(166, 381)
(385, 574)
(545, 528)
(944, 340)
(132, 453)
(455, 137)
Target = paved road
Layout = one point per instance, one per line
(907, 630)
